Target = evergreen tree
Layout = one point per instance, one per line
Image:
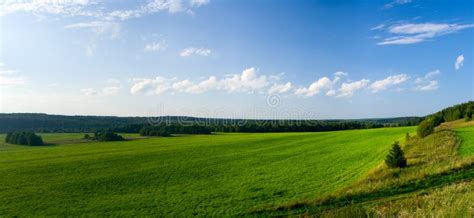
(396, 157)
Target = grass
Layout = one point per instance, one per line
(467, 139)
(437, 183)
(221, 174)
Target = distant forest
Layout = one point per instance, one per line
(176, 125)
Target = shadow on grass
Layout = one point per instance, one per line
(432, 181)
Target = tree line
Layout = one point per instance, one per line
(456, 112)
(185, 125)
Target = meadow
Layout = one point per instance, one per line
(218, 174)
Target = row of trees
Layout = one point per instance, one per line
(24, 138)
(456, 112)
(167, 130)
(59, 123)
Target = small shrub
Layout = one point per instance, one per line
(107, 136)
(24, 138)
(396, 157)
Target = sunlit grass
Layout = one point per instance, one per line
(221, 174)
(467, 140)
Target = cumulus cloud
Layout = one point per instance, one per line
(410, 33)
(248, 81)
(459, 62)
(195, 51)
(427, 82)
(322, 84)
(154, 86)
(348, 89)
(316, 87)
(280, 88)
(388, 82)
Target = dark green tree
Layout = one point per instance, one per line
(396, 157)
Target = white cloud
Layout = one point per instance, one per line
(380, 85)
(66, 7)
(248, 81)
(411, 33)
(154, 6)
(156, 46)
(348, 89)
(459, 62)
(316, 87)
(155, 86)
(86, 8)
(380, 26)
(395, 3)
(195, 51)
(427, 82)
(198, 3)
(321, 84)
(108, 28)
(280, 88)
(203, 86)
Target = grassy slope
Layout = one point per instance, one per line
(438, 182)
(216, 174)
(467, 137)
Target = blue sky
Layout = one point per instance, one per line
(237, 59)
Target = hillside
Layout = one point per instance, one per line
(438, 181)
(219, 174)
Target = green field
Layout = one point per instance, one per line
(219, 174)
(467, 140)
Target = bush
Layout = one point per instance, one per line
(107, 136)
(396, 157)
(427, 126)
(24, 138)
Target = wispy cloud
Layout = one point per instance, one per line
(411, 33)
(155, 46)
(459, 62)
(395, 3)
(66, 7)
(427, 82)
(348, 89)
(383, 84)
(195, 51)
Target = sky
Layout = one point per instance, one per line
(263, 59)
